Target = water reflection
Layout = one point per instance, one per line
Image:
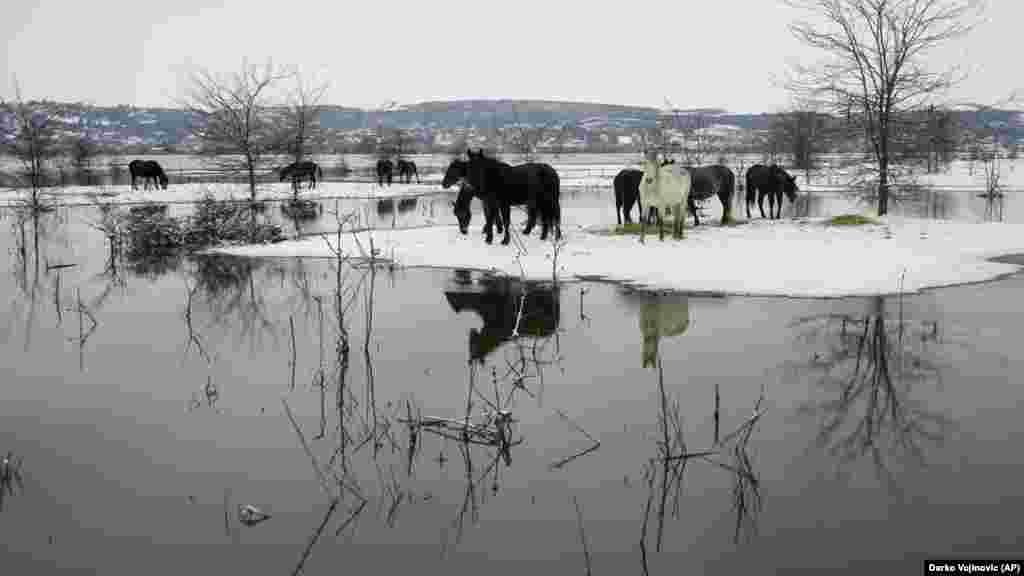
(226, 286)
(508, 307)
(872, 363)
(662, 315)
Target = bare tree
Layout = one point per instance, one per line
(873, 73)
(303, 117)
(32, 138)
(986, 142)
(82, 151)
(231, 118)
(802, 133)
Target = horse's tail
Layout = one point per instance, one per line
(556, 203)
(730, 189)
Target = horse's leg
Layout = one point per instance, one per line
(693, 210)
(760, 201)
(506, 215)
(505, 209)
(661, 227)
(489, 210)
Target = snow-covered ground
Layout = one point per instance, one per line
(802, 258)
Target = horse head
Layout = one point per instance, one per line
(456, 172)
(787, 182)
(163, 180)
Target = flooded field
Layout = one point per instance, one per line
(426, 420)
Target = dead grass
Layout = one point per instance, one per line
(850, 220)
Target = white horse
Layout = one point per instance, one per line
(664, 187)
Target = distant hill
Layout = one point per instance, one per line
(155, 128)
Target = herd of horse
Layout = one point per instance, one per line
(663, 186)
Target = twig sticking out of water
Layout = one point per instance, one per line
(292, 361)
(316, 536)
(192, 337)
(10, 477)
(355, 514)
(583, 535)
(717, 406)
(305, 446)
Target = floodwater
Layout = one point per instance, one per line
(140, 406)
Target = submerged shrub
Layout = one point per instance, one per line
(151, 233)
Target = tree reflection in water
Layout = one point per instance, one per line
(873, 363)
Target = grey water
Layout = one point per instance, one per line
(141, 405)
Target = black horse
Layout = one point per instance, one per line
(456, 174)
(406, 170)
(407, 204)
(498, 303)
(385, 170)
(708, 181)
(147, 170)
(501, 186)
(299, 171)
(627, 193)
(771, 181)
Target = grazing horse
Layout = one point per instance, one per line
(147, 170)
(664, 187)
(502, 186)
(456, 174)
(498, 305)
(299, 171)
(771, 181)
(708, 181)
(406, 170)
(661, 315)
(385, 169)
(627, 193)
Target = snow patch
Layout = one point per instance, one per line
(798, 258)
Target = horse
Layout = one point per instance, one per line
(384, 171)
(148, 170)
(708, 181)
(407, 204)
(663, 187)
(498, 306)
(299, 171)
(406, 169)
(771, 181)
(456, 174)
(502, 186)
(627, 193)
(661, 315)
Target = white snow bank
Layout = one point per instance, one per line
(801, 258)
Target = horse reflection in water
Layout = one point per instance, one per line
(661, 315)
(497, 300)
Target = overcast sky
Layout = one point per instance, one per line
(371, 52)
